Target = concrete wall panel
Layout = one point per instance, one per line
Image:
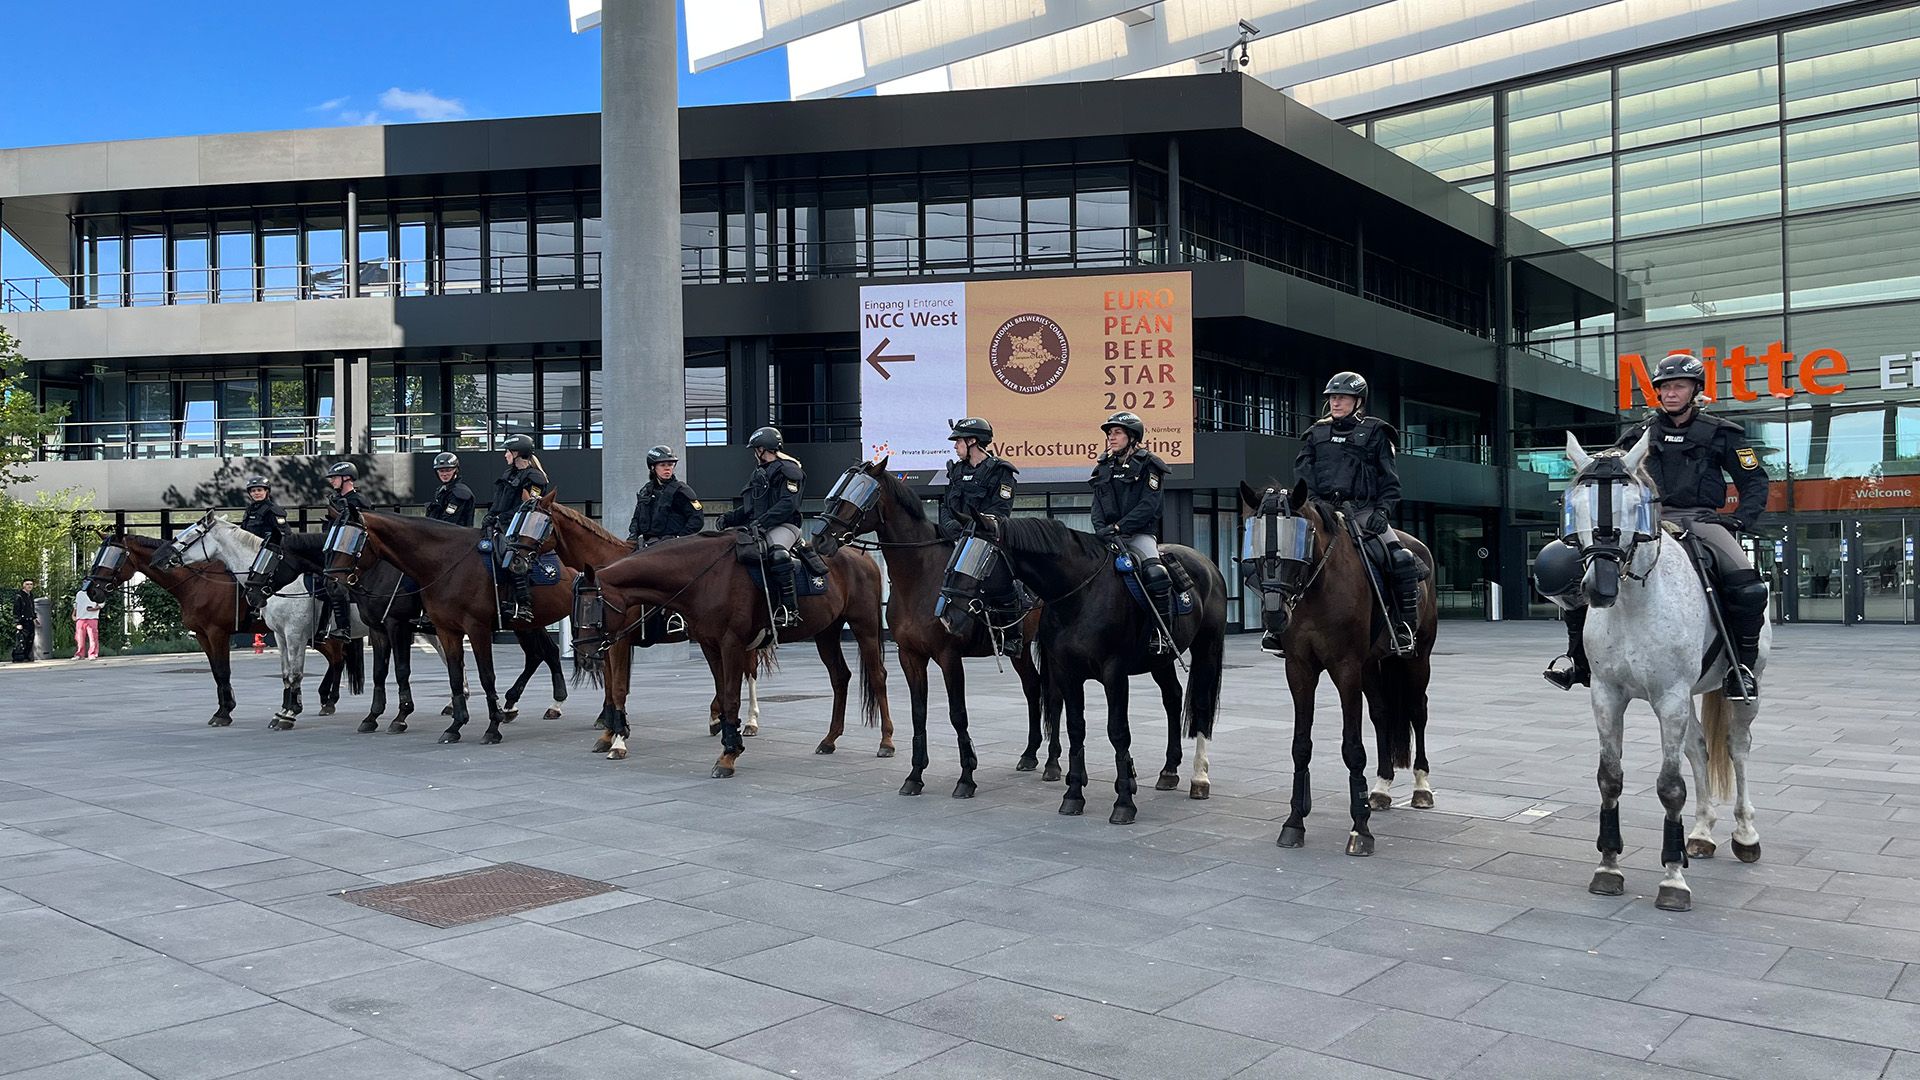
(250, 158)
(153, 163)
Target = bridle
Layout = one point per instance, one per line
(1598, 489)
(1289, 553)
(859, 490)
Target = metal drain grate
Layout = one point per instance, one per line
(473, 895)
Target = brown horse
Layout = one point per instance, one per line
(916, 565)
(700, 578)
(1332, 622)
(211, 607)
(582, 544)
(460, 596)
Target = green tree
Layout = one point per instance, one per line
(50, 538)
(24, 426)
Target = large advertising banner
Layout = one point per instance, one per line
(1045, 360)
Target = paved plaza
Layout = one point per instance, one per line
(170, 893)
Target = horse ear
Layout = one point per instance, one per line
(1297, 498)
(880, 463)
(1638, 454)
(546, 501)
(1580, 458)
(1249, 499)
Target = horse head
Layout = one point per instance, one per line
(346, 550)
(1611, 507)
(853, 506)
(530, 531)
(111, 567)
(173, 554)
(1280, 547)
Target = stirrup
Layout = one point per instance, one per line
(786, 617)
(1405, 641)
(1271, 644)
(1566, 678)
(1742, 684)
(516, 612)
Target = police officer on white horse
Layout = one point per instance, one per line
(453, 501)
(1127, 482)
(771, 502)
(263, 517)
(665, 507)
(1347, 458)
(1692, 456)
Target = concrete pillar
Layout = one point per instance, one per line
(1176, 248)
(342, 405)
(353, 241)
(642, 380)
(360, 377)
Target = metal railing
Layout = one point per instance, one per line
(1220, 412)
(127, 440)
(1414, 444)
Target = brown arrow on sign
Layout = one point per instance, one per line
(877, 357)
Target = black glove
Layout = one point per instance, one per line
(951, 531)
(1109, 532)
(1728, 521)
(1377, 521)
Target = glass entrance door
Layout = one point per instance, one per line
(1882, 571)
(1820, 574)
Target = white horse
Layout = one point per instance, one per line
(1653, 638)
(292, 612)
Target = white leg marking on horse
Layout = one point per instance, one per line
(1382, 786)
(752, 726)
(1420, 780)
(1200, 758)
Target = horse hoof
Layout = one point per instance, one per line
(550, 714)
(398, 727)
(1167, 781)
(1052, 772)
(447, 711)
(1379, 800)
(508, 716)
(617, 755)
(912, 787)
(449, 736)
(824, 748)
(1026, 764)
(1122, 815)
(1701, 849)
(223, 721)
(1359, 845)
(1674, 898)
(490, 738)
(367, 726)
(965, 789)
(713, 728)
(1607, 883)
(1073, 807)
(1747, 853)
(750, 731)
(721, 772)
(1292, 836)
(603, 744)
(1422, 799)
(884, 751)
(1201, 789)
(213, 721)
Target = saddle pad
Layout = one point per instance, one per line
(1123, 565)
(545, 571)
(804, 584)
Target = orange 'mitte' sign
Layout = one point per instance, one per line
(1739, 366)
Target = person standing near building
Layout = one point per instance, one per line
(25, 619)
(86, 626)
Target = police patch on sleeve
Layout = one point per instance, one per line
(696, 504)
(1748, 459)
(1153, 481)
(1006, 491)
(791, 486)
(533, 490)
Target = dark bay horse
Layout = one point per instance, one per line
(211, 607)
(1091, 628)
(1332, 623)
(700, 578)
(916, 559)
(454, 584)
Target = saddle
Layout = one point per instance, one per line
(750, 549)
(544, 571)
(1706, 566)
(1124, 566)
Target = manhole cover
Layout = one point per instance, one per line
(473, 895)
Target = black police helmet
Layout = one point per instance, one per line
(766, 438)
(256, 482)
(344, 468)
(1680, 366)
(660, 455)
(1346, 382)
(1127, 422)
(446, 460)
(520, 444)
(972, 427)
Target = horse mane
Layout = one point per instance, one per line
(585, 522)
(907, 499)
(1045, 536)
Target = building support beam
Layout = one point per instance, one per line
(642, 377)
(352, 270)
(1176, 253)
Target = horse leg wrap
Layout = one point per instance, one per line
(1673, 843)
(1610, 842)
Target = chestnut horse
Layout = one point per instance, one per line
(916, 558)
(701, 579)
(211, 607)
(455, 585)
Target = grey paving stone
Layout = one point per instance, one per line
(1098, 973)
(1153, 896)
(1419, 988)
(531, 957)
(813, 869)
(1812, 905)
(1904, 1066)
(976, 1061)
(1517, 1057)
(1559, 929)
(847, 974)
(199, 934)
(128, 999)
(1611, 1027)
(1100, 1038)
(224, 1045)
(838, 1043)
(112, 891)
(1022, 909)
(825, 914)
(710, 948)
(680, 881)
(1289, 1063)
(1715, 1046)
(1907, 987)
(904, 885)
(956, 942)
(1411, 1043)
(14, 1018)
(289, 967)
(1835, 971)
(1412, 905)
(37, 1046)
(1307, 966)
(1275, 918)
(574, 909)
(91, 1067)
(1273, 1013)
(38, 944)
(368, 1059)
(1789, 1008)
(621, 1051)
(687, 1003)
(637, 926)
(1501, 958)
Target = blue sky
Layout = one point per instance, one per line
(133, 69)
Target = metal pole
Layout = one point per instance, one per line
(1175, 248)
(353, 241)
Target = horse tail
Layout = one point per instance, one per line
(589, 666)
(1209, 665)
(1716, 720)
(357, 665)
(869, 699)
(1396, 727)
(765, 660)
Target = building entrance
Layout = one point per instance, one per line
(1845, 570)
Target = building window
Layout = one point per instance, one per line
(1853, 64)
(1699, 93)
(1557, 121)
(1571, 203)
(1853, 158)
(1855, 256)
(1724, 272)
(1700, 182)
(1453, 141)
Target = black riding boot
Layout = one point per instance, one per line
(520, 608)
(1160, 594)
(1743, 596)
(1575, 671)
(337, 605)
(786, 611)
(1407, 572)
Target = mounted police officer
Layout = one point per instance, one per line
(980, 485)
(1691, 456)
(453, 502)
(263, 517)
(1347, 458)
(771, 502)
(523, 480)
(1127, 482)
(344, 504)
(666, 507)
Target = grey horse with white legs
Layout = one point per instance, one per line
(1653, 636)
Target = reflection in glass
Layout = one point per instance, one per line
(996, 220)
(234, 250)
(1857, 256)
(375, 272)
(591, 230)
(896, 225)
(1454, 141)
(700, 234)
(146, 256)
(280, 253)
(507, 243)
(1699, 93)
(513, 411)
(104, 250)
(326, 272)
(1571, 203)
(460, 248)
(1701, 275)
(191, 282)
(1102, 213)
(553, 230)
(413, 227)
(1854, 63)
(706, 406)
(561, 405)
(946, 234)
(1554, 121)
(1700, 183)
(1852, 158)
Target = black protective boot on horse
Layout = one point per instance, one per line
(1743, 599)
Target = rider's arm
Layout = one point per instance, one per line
(1742, 463)
(692, 519)
(633, 523)
(1145, 515)
(1386, 477)
(999, 502)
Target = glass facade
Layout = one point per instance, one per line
(1759, 190)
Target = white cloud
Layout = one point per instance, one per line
(328, 106)
(362, 119)
(422, 104)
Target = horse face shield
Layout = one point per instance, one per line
(260, 575)
(527, 534)
(109, 569)
(346, 544)
(589, 616)
(1605, 515)
(849, 501)
(967, 571)
(173, 553)
(1277, 551)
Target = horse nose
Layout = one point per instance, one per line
(1601, 583)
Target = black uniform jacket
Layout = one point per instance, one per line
(662, 511)
(1691, 464)
(772, 496)
(976, 490)
(1350, 460)
(1126, 492)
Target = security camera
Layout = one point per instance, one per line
(1245, 60)
(1249, 29)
